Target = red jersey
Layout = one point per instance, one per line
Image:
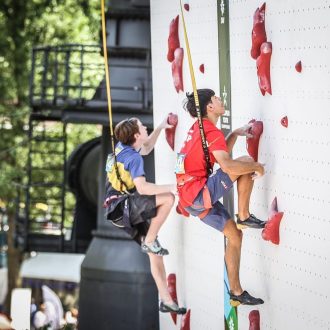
(191, 161)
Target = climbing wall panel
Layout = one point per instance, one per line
(291, 277)
(196, 251)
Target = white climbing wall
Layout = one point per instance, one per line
(293, 277)
(196, 251)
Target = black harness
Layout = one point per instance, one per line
(117, 210)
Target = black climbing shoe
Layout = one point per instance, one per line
(250, 222)
(245, 299)
(173, 308)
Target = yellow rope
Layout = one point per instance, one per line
(107, 83)
(107, 75)
(193, 82)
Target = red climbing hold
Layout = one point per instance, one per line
(298, 66)
(271, 232)
(186, 6)
(177, 70)
(252, 143)
(201, 68)
(171, 284)
(273, 207)
(263, 68)
(258, 32)
(173, 39)
(284, 121)
(172, 119)
(254, 318)
(185, 322)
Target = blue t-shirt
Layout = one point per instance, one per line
(130, 165)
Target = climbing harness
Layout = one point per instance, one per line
(107, 81)
(117, 210)
(198, 111)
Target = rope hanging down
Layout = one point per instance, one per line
(198, 111)
(107, 82)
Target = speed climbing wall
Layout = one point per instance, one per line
(196, 252)
(291, 275)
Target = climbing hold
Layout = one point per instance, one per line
(298, 66)
(252, 143)
(263, 68)
(177, 70)
(201, 68)
(173, 39)
(284, 121)
(273, 207)
(172, 119)
(254, 318)
(271, 232)
(258, 32)
(171, 284)
(185, 322)
(186, 6)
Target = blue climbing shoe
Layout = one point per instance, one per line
(154, 247)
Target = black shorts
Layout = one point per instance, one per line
(142, 210)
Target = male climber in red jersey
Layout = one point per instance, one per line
(199, 193)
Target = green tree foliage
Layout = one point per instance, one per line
(23, 25)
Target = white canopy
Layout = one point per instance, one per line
(53, 266)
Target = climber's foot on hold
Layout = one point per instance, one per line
(245, 299)
(251, 222)
(171, 308)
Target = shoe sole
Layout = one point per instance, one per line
(162, 310)
(234, 303)
(239, 226)
(181, 310)
(156, 254)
